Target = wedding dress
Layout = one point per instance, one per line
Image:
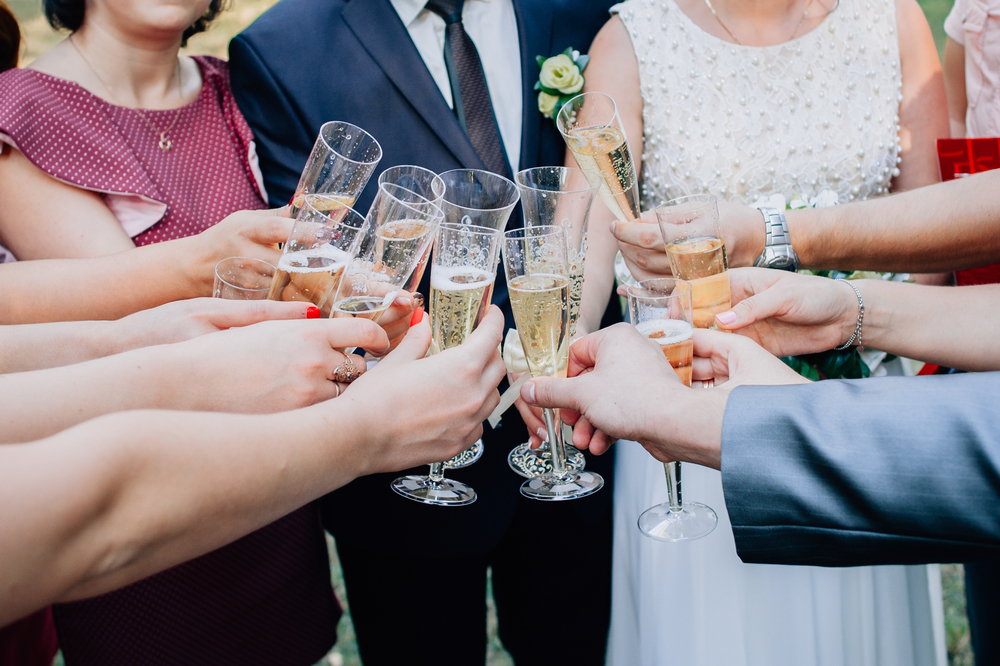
(817, 113)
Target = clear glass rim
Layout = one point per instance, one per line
(252, 260)
(435, 180)
(536, 231)
(560, 122)
(707, 199)
(680, 287)
(518, 180)
(352, 214)
(344, 123)
(471, 229)
(487, 174)
(433, 209)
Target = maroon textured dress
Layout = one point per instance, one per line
(265, 599)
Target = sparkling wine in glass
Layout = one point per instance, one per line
(481, 199)
(462, 276)
(242, 279)
(324, 237)
(661, 310)
(395, 239)
(593, 131)
(562, 197)
(538, 282)
(419, 186)
(340, 164)
(693, 239)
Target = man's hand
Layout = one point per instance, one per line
(620, 386)
(789, 314)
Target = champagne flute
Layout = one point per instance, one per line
(661, 310)
(593, 131)
(538, 282)
(242, 279)
(693, 238)
(395, 238)
(420, 186)
(462, 275)
(481, 199)
(324, 237)
(340, 164)
(558, 196)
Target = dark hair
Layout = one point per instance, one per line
(10, 39)
(68, 14)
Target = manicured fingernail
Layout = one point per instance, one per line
(529, 390)
(418, 299)
(544, 436)
(418, 316)
(727, 317)
(614, 225)
(312, 312)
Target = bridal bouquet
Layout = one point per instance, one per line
(847, 363)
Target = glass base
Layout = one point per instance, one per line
(693, 521)
(440, 493)
(531, 463)
(573, 485)
(466, 457)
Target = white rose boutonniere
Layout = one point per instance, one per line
(560, 78)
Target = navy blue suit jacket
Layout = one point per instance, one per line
(306, 62)
(895, 470)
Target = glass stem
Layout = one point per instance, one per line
(673, 472)
(555, 442)
(437, 472)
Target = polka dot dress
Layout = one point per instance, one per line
(82, 140)
(263, 600)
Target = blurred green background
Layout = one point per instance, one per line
(39, 37)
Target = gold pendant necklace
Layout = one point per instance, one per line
(798, 25)
(164, 143)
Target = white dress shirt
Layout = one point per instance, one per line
(492, 26)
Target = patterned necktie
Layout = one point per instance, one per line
(469, 93)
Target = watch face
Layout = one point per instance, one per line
(782, 264)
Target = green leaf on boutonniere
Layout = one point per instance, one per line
(800, 366)
(540, 60)
(568, 52)
(582, 62)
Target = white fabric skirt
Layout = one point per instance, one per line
(696, 604)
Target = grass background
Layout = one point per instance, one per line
(39, 38)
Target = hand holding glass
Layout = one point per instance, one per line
(661, 311)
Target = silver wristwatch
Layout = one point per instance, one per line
(778, 252)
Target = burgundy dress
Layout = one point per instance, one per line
(265, 599)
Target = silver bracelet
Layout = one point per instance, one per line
(861, 316)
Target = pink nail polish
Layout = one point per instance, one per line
(727, 317)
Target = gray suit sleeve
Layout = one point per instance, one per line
(896, 470)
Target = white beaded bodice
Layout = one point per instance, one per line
(819, 112)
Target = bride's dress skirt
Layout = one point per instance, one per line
(696, 604)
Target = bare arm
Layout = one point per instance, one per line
(110, 287)
(273, 366)
(791, 314)
(42, 218)
(923, 113)
(954, 84)
(119, 498)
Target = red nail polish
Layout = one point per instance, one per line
(418, 316)
(312, 312)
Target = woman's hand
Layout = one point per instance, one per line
(268, 367)
(245, 233)
(641, 245)
(789, 314)
(421, 410)
(184, 320)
